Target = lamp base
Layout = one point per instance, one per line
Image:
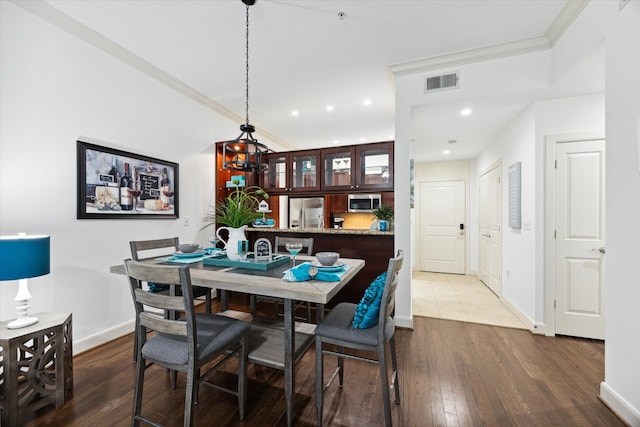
(22, 307)
(22, 322)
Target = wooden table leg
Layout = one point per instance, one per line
(289, 362)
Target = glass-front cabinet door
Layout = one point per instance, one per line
(374, 166)
(337, 166)
(274, 179)
(294, 171)
(305, 171)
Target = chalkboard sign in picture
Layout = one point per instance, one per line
(118, 184)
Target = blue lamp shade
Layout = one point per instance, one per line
(22, 257)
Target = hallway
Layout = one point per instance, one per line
(459, 297)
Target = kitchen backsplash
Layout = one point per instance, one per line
(357, 221)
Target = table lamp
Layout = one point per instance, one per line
(22, 257)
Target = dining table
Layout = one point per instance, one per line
(277, 344)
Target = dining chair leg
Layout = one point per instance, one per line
(137, 393)
(242, 375)
(197, 388)
(319, 382)
(384, 379)
(253, 305)
(207, 302)
(174, 378)
(341, 366)
(189, 397)
(394, 366)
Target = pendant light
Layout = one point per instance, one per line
(245, 152)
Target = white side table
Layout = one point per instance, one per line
(36, 366)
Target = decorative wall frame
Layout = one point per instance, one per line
(515, 197)
(106, 191)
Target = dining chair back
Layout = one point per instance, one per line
(337, 329)
(280, 247)
(281, 242)
(142, 249)
(183, 345)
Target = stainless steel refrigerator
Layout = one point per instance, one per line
(306, 212)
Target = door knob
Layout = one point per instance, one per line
(602, 249)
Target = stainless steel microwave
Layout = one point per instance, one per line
(364, 202)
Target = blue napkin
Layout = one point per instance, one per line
(300, 273)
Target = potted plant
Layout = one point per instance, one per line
(384, 214)
(235, 212)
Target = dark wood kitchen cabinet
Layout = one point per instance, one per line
(291, 172)
(358, 167)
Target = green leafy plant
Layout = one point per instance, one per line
(383, 213)
(238, 208)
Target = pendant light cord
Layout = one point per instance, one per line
(247, 73)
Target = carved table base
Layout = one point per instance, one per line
(36, 366)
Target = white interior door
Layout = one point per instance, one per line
(490, 238)
(580, 238)
(442, 226)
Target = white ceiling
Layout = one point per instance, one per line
(304, 56)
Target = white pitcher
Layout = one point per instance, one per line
(231, 245)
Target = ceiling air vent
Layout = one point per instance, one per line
(444, 81)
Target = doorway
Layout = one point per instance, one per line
(576, 220)
(442, 228)
(490, 237)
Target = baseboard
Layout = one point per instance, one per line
(619, 406)
(528, 323)
(403, 322)
(103, 337)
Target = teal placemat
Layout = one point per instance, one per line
(189, 260)
(250, 263)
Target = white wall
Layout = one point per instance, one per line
(621, 386)
(516, 144)
(55, 88)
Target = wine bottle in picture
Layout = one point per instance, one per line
(126, 200)
(114, 170)
(165, 190)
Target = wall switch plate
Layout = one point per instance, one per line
(187, 221)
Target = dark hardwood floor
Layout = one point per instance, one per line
(451, 374)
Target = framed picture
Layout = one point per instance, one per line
(118, 184)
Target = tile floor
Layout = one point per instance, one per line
(459, 297)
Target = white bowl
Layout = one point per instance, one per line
(327, 258)
(187, 248)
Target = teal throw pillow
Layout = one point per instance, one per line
(368, 309)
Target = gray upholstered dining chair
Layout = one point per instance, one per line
(337, 329)
(144, 248)
(279, 247)
(184, 345)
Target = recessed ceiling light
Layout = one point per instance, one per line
(366, 102)
(336, 142)
(362, 139)
(446, 152)
(390, 136)
(465, 112)
(295, 113)
(329, 107)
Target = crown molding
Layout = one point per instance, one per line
(468, 56)
(71, 26)
(563, 21)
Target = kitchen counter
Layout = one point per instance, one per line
(322, 231)
(375, 247)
